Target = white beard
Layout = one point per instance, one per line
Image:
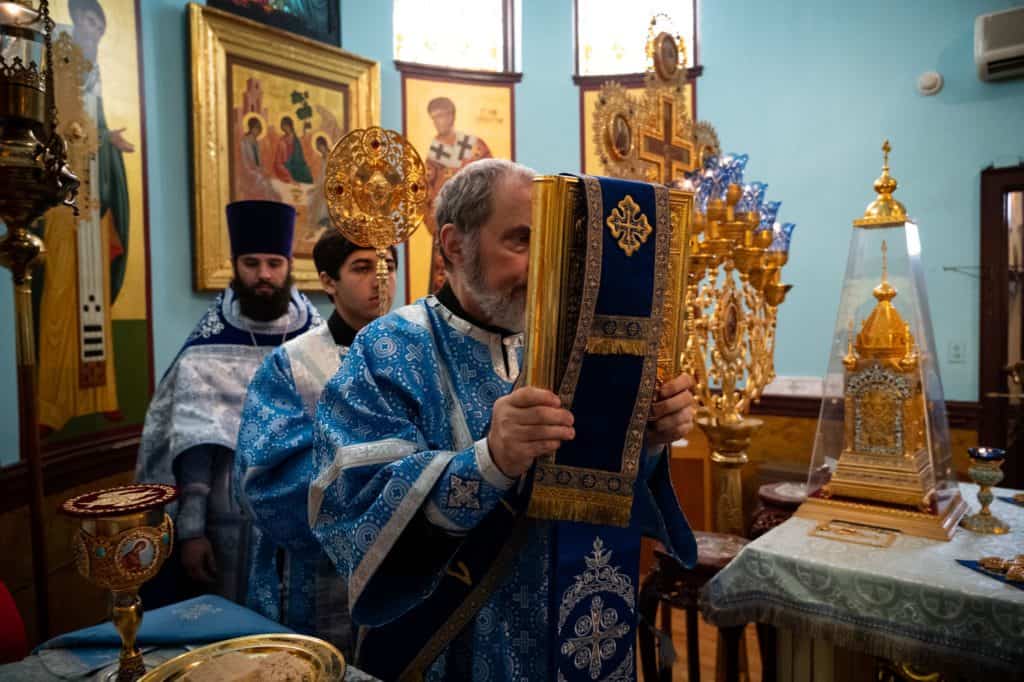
(505, 309)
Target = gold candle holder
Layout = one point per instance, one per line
(732, 301)
(124, 539)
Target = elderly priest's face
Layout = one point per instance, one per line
(485, 234)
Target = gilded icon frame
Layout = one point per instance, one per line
(484, 107)
(326, 27)
(217, 39)
(666, 56)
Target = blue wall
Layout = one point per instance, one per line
(547, 102)
(808, 88)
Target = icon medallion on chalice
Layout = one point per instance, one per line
(124, 539)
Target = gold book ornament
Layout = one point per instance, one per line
(557, 225)
(564, 326)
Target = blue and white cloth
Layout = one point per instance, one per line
(273, 470)
(913, 601)
(404, 474)
(198, 404)
(194, 622)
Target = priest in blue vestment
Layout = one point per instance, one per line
(291, 580)
(191, 426)
(423, 449)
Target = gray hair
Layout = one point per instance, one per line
(467, 199)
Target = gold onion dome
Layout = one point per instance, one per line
(885, 335)
(884, 211)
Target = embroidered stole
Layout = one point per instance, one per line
(610, 368)
(609, 379)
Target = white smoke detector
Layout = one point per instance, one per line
(929, 83)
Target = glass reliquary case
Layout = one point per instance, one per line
(882, 451)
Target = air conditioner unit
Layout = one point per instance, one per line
(999, 44)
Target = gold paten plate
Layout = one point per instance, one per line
(324, 662)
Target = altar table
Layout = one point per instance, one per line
(910, 602)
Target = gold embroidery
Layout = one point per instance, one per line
(462, 575)
(599, 345)
(619, 335)
(589, 495)
(629, 225)
(588, 296)
(621, 326)
(649, 375)
(577, 495)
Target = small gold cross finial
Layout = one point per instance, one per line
(884, 211)
(885, 261)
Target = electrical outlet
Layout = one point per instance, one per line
(957, 353)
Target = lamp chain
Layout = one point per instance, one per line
(51, 100)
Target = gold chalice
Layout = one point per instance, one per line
(986, 471)
(124, 539)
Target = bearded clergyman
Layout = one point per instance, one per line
(424, 444)
(191, 428)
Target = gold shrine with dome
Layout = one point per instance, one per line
(885, 446)
(882, 456)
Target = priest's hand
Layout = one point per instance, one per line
(525, 424)
(672, 411)
(197, 558)
(117, 139)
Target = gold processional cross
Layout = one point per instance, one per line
(662, 147)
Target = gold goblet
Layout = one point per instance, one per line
(124, 538)
(986, 471)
